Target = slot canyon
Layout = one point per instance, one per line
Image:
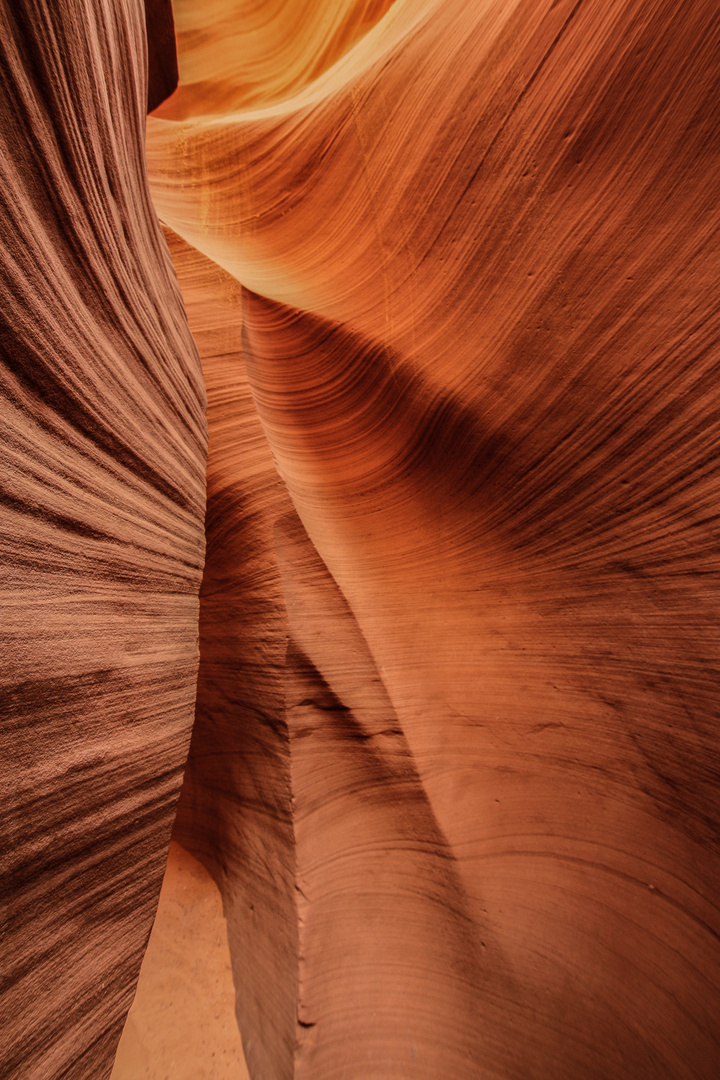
(360, 533)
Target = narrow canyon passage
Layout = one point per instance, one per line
(360, 527)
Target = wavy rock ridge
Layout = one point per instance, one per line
(451, 272)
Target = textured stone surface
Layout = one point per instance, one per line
(102, 484)
(451, 268)
(236, 812)
(479, 256)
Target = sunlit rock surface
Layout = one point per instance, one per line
(451, 269)
(479, 257)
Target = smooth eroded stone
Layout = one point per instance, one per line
(182, 1019)
(235, 812)
(479, 262)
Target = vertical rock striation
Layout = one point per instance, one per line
(102, 501)
(236, 808)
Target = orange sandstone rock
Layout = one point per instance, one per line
(101, 512)
(479, 256)
(451, 269)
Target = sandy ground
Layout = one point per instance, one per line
(182, 1023)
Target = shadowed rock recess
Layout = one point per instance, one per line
(415, 305)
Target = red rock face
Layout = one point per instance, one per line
(480, 328)
(101, 520)
(451, 269)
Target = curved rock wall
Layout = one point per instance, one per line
(236, 810)
(479, 257)
(102, 503)
(452, 272)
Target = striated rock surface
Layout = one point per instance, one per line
(479, 256)
(451, 268)
(102, 502)
(236, 810)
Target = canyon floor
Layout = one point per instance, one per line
(182, 1024)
